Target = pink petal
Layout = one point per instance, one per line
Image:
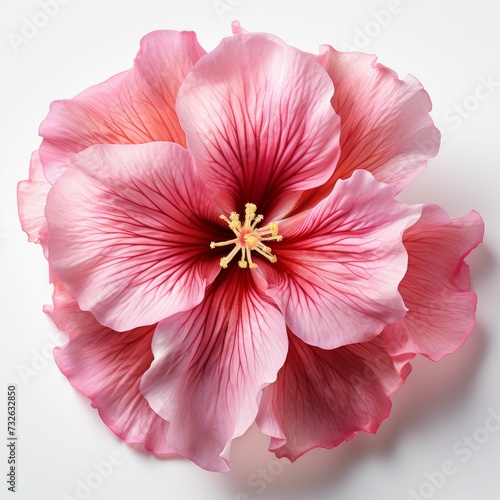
(210, 365)
(136, 106)
(237, 29)
(323, 397)
(386, 128)
(436, 287)
(340, 264)
(258, 120)
(107, 366)
(31, 198)
(129, 232)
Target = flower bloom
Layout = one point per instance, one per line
(226, 247)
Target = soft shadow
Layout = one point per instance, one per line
(481, 261)
(431, 391)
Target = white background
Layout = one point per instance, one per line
(449, 46)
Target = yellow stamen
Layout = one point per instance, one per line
(248, 238)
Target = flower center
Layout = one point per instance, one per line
(248, 238)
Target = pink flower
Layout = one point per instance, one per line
(225, 244)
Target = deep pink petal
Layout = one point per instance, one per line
(136, 106)
(107, 366)
(210, 365)
(436, 287)
(386, 128)
(340, 264)
(258, 120)
(323, 397)
(129, 232)
(31, 199)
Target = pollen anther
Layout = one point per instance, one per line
(248, 238)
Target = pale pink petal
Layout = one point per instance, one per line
(323, 397)
(436, 287)
(386, 128)
(258, 120)
(210, 365)
(136, 106)
(237, 29)
(31, 198)
(339, 265)
(107, 366)
(130, 228)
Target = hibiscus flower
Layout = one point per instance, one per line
(225, 244)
